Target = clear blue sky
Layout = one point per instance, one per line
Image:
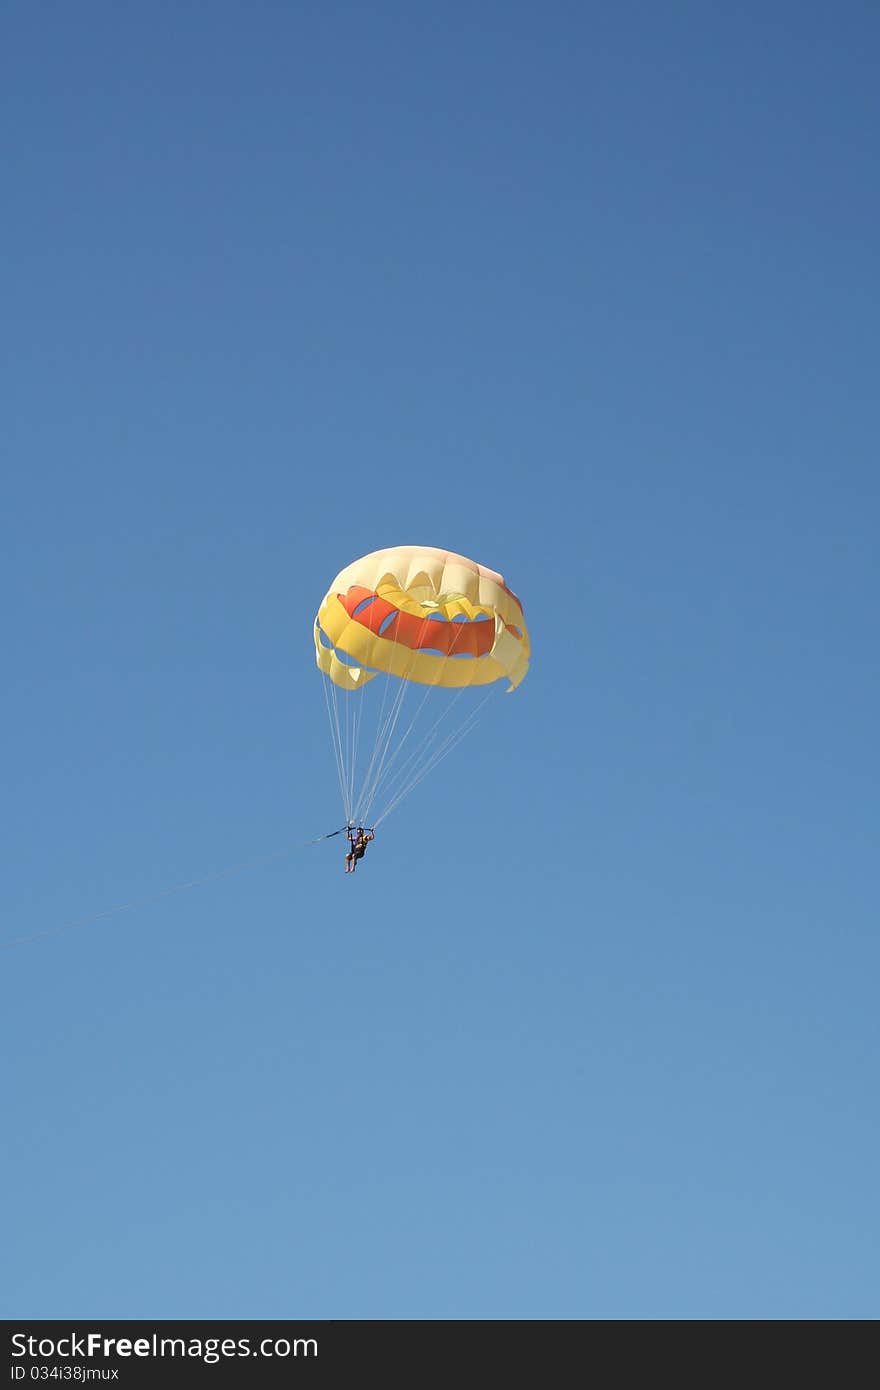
(588, 293)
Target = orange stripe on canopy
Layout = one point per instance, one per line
(418, 634)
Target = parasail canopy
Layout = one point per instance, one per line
(419, 618)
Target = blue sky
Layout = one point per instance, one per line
(587, 293)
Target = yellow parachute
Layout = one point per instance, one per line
(417, 616)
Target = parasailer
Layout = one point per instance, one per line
(358, 841)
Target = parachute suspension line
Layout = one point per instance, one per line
(347, 755)
(380, 727)
(344, 709)
(392, 780)
(350, 716)
(399, 749)
(359, 697)
(451, 741)
(377, 740)
(373, 783)
(422, 749)
(336, 735)
(385, 744)
(341, 707)
(385, 733)
(420, 762)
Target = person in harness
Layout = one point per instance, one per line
(358, 840)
